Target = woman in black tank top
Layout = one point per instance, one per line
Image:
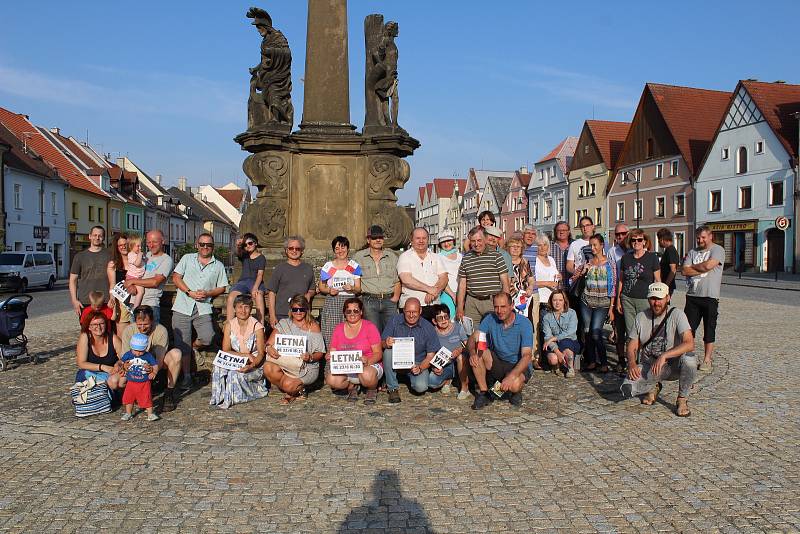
(98, 350)
(117, 268)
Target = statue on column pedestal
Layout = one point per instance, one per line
(382, 98)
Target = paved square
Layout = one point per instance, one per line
(573, 458)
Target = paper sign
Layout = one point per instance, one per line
(119, 292)
(497, 389)
(339, 282)
(442, 358)
(231, 362)
(403, 353)
(290, 345)
(346, 362)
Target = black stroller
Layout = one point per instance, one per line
(13, 343)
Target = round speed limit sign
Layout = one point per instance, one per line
(782, 223)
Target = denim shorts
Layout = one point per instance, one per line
(245, 286)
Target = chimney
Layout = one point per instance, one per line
(158, 179)
(182, 183)
(523, 169)
(56, 131)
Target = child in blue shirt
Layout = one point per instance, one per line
(135, 363)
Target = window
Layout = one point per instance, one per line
(649, 147)
(776, 194)
(745, 197)
(715, 201)
(585, 149)
(552, 172)
(91, 213)
(577, 218)
(673, 168)
(17, 196)
(759, 147)
(133, 221)
(679, 205)
(114, 218)
(680, 243)
(592, 190)
(100, 217)
(541, 174)
(637, 209)
(535, 210)
(620, 211)
(726, 153)
(741, 160)
(624, 177)
(639, 175)
(580, 191)
(661, 207)
(660, 170)
(560, 208)
(548, 209)
(597, 216)
(53, 203)
(74, 210)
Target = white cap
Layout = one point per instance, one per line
(446, 235)
(657, 290)
(493, 230)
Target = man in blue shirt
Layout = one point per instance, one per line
(426, 344)
(529, 238)
(505, 348)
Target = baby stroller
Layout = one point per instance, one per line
(13, 343)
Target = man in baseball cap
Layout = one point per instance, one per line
(380, 286)
(662, 339)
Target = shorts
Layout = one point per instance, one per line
(571, 344)
(500, 369)
(353, 379)
(138, 392)
(245, 286)
(705, 309)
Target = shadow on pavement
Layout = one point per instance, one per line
(386, 509)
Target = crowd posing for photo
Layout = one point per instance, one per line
(475, 325)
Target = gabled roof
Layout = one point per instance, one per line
(692, 116)
(25, 131)
(500, 187)
(562, 153)
(444, 186)
(16, 157)
(235, 197)
(778, 103)
(421, 195)
(481, 175)
(199, 208)
(524, 178)
(609, 137)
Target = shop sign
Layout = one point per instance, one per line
(782, 223)
(72, 227)
(745, 226)
(41, 232)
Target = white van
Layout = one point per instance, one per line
(21, 270)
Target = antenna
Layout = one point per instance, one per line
(592, 111)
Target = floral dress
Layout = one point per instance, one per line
(519, 287)
(232, 387)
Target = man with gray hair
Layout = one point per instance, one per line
(529, 234)
(293, 277)
(482, 274)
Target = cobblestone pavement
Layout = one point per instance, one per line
(573, 458)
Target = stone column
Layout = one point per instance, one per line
(326, 94)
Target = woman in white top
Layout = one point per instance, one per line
(339, 279)
(452, 260)
(545, 271)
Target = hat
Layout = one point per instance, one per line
(139, 342)
(657, 290)
(493, 230)
(446, 235)
(375, 231)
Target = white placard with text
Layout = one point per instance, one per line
(287, 345)
(346, 362)
(231, 362)
(119, 292)
(441, 358)
(403, 353)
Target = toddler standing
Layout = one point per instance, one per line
(138, 387)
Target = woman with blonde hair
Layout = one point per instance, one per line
(638, 269)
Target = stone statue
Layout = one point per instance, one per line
(382, 98)
(270, 104)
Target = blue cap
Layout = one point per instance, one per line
(139, 342)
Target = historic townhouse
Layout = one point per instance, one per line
(473, 202)
(454, 211)
(434, 206)
(596, 154)
(494, 196)
(547, 191)
(230, 199)
(745, 187)
(514, 213)
(668, 138)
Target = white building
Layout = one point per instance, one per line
(230, 199)
(548, 195)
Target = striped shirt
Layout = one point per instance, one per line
(561, 259)
(482, 272)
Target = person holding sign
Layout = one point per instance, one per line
(406, 331)
(293, 363)
(339, 279)
(243, 336)
(356, 334)
(453, 337)
(503, 358)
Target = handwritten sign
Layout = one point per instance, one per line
(119, 292)
(403, 353)
(287, 345)
(346, 362)
(442, 358)
(231, 362)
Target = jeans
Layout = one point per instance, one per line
(631, 307)
(379, 311)
(593, 320)
(156, 314)
(427, 379)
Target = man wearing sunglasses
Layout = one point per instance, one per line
(199, 278)
(294, 277)
(380, 285)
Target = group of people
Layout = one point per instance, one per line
(482, 320)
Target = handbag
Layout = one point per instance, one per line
(577, 288)
(292, 366)
(90, 398)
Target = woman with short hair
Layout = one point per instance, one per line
(251, 280)
(291, 374)
(560, 330)
(97, 352)
(638, 269)
(339, 280)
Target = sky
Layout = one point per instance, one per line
(485, 85)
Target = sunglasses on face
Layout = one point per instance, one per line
(294, 249)
(637, 240)
(249, 243)
(299, 310)
(352, 312)
(205, 245)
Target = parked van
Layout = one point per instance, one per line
(21, 270)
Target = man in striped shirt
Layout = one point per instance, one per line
(482, 274)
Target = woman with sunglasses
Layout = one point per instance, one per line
(356, 333)
(250, 281)
(339, 280)
(97, 352)
(243, 335)
(453, 337)
(291, 374)
(638, 269)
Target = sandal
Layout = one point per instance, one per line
(650, 398)
(371, 397)
(682, 407)
(286, 400)
(352, 395)
(302, 395)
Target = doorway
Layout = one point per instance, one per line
(775, 250)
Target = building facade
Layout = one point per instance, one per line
(514, 211)
(548, 195)
(474, 202)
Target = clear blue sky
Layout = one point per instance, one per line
(482, 84)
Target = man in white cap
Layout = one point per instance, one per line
(663, 340)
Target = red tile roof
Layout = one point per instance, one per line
(444, 186)
(233, 196)
(563, 152)
(17, 158)
(609, 137)
(524, 178)
(777, 102)
(76, 149)
(692, 116)
(23, 129)
(421, 194)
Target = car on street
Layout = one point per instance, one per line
(21, 270)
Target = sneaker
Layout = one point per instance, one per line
(352, 395)
(570, 373)
(515, 399)
(153, 417)
(168, 401)
(446, 389)
(186, 382)
(394, 396)
(481, 400)
(463, 395)
(126, 417)
(371, 396)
